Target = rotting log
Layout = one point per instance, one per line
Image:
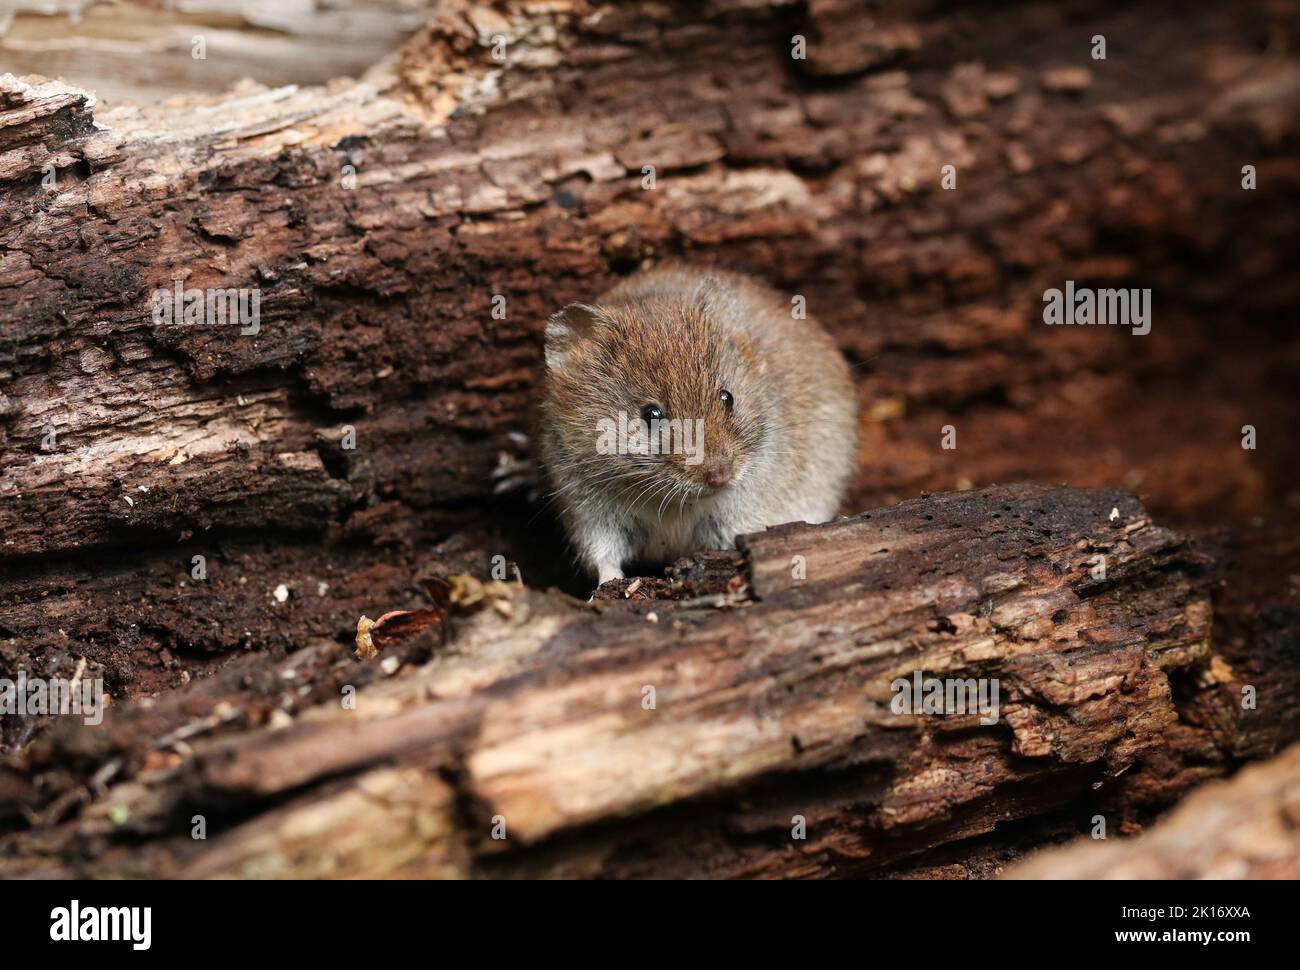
(131, 447)
(1245, 828)
(1239, 708)
(772, 699)
(473, 179)
(144, 51)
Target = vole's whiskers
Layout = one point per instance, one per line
(651, 342)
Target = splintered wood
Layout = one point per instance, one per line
(710, 733)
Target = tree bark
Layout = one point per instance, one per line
(145, 51)
(378, 219)
(474, 179)
(686, 730)
(1246, 828)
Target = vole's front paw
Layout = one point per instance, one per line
(609, 588)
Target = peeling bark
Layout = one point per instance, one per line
(1246, 828)
(772, 699)
(378, 217)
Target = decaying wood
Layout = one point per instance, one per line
(145, 51)
(1246, 828)
(772, 699)
(473, 180)
(131, 447)
(379, 217)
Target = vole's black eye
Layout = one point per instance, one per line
(728, 401)
(652, 412)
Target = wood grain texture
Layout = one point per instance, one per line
(1246, 828)
(378, 217)
(772, 699)
(144, 51)
(474, 179)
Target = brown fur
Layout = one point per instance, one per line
(677, 337)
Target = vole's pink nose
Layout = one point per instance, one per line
(717, 472)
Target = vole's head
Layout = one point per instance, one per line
(656, 399)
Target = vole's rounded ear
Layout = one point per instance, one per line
(566, 329)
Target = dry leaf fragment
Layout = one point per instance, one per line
(365, 645)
